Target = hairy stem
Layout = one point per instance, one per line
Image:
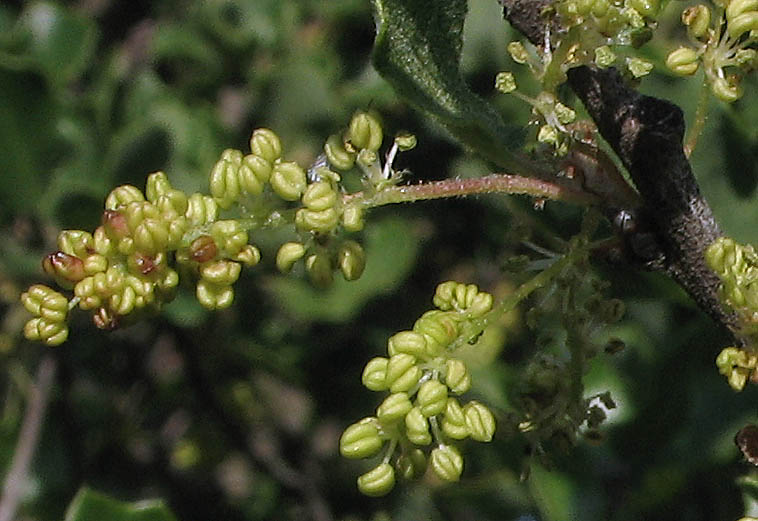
(491, 184)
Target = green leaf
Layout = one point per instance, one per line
(417, 50)
(89, 505)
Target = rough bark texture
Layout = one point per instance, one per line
(646, 133)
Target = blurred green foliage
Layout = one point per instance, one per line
(236, 415)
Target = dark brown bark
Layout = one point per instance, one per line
(676, 224)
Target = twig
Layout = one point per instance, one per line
(17, 477)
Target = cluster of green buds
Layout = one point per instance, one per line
(552, 115)
(595, 26)
(723, 39)
(134, 259)
(421, 418)
(737, 267)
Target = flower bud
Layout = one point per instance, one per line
(266, 144)
(254, 173)
(683, 61)
(50, 333)
(289, 253)
(447, 463)
(123, 195)
(600, 8)
(124, 302)
(351, 260)
(505, 82)
(432, 397)
(742, 23)
(45, 302)
(454, 420)
(323, 221)
(479, 420)
(439, 329)
(726, 89)
(417, 427)
(65, 268)
(337, 154)
(393, 408)
(402, 373)
(457, 377)
(101, 243)
(75, 242)
(212, 296)
(157, 185)
(248, 255)
(288, 180)
(361, 440)
(222, 272)
(364, 132)
(409, 342)
(405, 141)
(374, 375)
(647, 8)
(201, 209)
(738, 7)
(319, 196)
(224, 182)
(352, 218)
(377, 482)
(319, 269)
(411, 464)
(229, 236)
(518, 52)
(697, 18)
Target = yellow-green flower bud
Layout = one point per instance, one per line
(43, 301)
(439, 329)
(94, 263)
(124, 302)
(548, 134)
(266, 144)
(518, 52)
(417, 427)
(289, 253)
(377, 482)
(402, 373)
(351, 260)
(319, 196)
(600, 8)
(75, 242)
(638, 67)
(212, 296)
(738, 7)
(352, 218)
(457, 377)
(409, 342)
(222, 272)
(157, 185)
(319, 269)
(101, 243)
(248, 255)
(172, 204)
(201, 209)
(505, 82)
(454, 421)
(411, 464)
(647, 8)
(123, 195)
(447, 463)
(361, 440)
(604, 56)
(254, 173)
(323, 221)
(337, 154)
(452, 295)
(737, 365)
(288, 180)
(364, 132)
(742, 23)
(229, 236)
(405, 141)
(683, 61)
(151, 236)
(224, 182)
(374, 375)
(432, 397)
(726, 89)
(479, 420)
(697, 18)
(85, 291)
(393, 408)
(50, 333)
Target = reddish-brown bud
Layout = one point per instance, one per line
(115, 224)
(105, 319)
(203, 249)
(64, 266)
